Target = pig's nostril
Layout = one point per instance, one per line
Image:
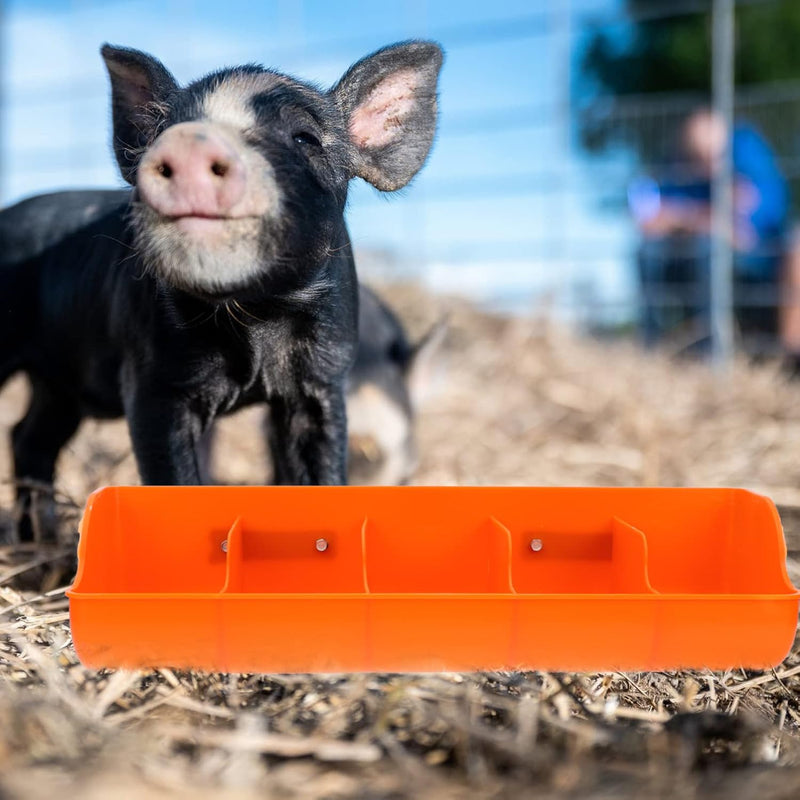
(220, 169)
(164, 169)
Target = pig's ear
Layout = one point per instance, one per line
(139, 85)
(389, 104)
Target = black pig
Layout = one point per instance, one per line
(228, 277)
(385, 386)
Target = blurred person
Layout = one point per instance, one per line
(674, 216)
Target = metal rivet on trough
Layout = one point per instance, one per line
(536, 545)
(224, 546)
(321, 545)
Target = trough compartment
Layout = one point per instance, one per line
(341, 579)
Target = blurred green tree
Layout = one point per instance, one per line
(633, 68)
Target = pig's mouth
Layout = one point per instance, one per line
(202, 224)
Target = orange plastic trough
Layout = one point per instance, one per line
(334, 579)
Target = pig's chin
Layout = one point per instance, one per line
(206, 256)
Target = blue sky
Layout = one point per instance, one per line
(506, 206)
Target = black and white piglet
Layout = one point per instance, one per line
(391, 380)
(228, 277)
(387, 384)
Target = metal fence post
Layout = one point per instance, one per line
(722, 80)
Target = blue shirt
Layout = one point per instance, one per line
(753, 161)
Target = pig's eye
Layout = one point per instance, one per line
(306, 138)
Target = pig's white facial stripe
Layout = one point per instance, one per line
(229, 104)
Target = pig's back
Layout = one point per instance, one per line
(34, 225)
(65, 261)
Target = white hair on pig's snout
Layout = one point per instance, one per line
(188, 263)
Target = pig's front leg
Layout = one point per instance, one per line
(165, 435)
(308, 436)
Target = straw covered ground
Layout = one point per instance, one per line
(514, 401)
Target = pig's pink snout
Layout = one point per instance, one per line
(191, 171)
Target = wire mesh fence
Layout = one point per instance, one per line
(510, 209)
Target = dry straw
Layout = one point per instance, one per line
(513, 402)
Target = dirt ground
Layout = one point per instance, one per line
(513, 401)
